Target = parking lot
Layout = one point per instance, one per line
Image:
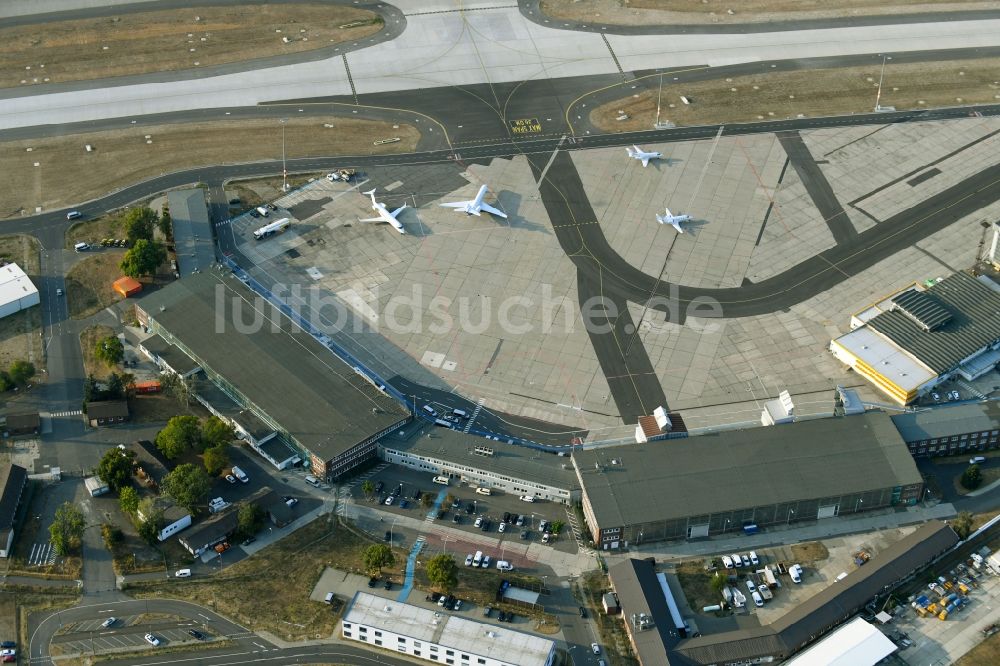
(126, 633)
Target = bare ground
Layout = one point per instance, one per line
(777, 95)
(157, 41)
(809, 552)
(122, 157)
(19, 332)
(661, 12)
(88, 283)
(88, 341)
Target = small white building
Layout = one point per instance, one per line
(781, 410)
(95, 486)
(175, 519)
(856, 643)
(439, 637)
(17, 292)
(653, 427)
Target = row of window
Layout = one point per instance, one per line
(417, 648)
(434, 466)
(955, 438)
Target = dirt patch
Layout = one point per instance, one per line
(88, 341)
(123, 156)
(160, 408)
(19, 332)
(809, 552)
(697, 584)
(987, 652)
(8, 627)
(158, 41)
(776, 95)
(662, 12)
(93, 231)
(89, 283)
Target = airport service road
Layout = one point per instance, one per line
(442, 46)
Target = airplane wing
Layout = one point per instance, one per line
(457, 204)
(372, 219)
(397, 211)
(677, 225)
(490, 209)
(645, 161)
(669, 214)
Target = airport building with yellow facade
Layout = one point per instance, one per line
(914, 339)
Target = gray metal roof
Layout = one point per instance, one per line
(828, 608)
(517, 462)
(178, 361)
(281, 370)
(638, 592)
(192, 231)
(974, 323)
(12, 480)
(678, 478)
(948, 420)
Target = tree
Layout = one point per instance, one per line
(216, 432)
(166, 223)
(718, 582)
(250, 518)
(176, 386)
(20, 372)
(149, 529)
(6, 382)
(368, 487)
(962, 524)
(556, 527)
(180, 434)
(426, 500)
(214, 459)
(972, 477)
(376, 557)
(112, 535)
(138, 223)
(66, 529)
(128, 500)
(143, 259)
(115, 468)
(90, 389)
(442, 571)
(187, 485)
(110, 350)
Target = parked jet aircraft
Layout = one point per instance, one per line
(384, 216)
(637, 153)
(673, 220)
(475, 206)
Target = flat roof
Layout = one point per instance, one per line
(208, 391)
(459, 448)
(886, 358)
(192, 230)
(484, 640)
(280, 369)
(974, 323)
(639, 591)
(178, 361)
(948, 420)
(856, 643)
(678, 478)
(15, 284)
(12, 480)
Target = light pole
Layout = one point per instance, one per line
(858, 504)
(390, 529)
(878, 95)
(791, 512)
(284, 170)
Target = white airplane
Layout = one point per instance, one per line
(637, 153)
(673, 220)
(475, 206)
(384, 215)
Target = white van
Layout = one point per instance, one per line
(477, 558)
(240, 474)
(182, 573)
(443, 480)
(429, 411)
(460, 413)
(483, 491)
(81, 247)
(264, 212)
(312, 480)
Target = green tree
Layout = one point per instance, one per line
(166, 223)
(112, 536)
(6, 382)
(216, 432)
(214, 459)
(718, 582)
(20, 372)
(368, 487)
(110, 350)
(138, 223)
(556, 527)
(149, 528)
(115, 468)
(180, 434)
(66, 530)
(426, 500)
(442, 572)
(128, 500)
(376, 557)
(962, 524)
(143, 259)
(187, 485)
(972, 477)
(250, 518)
(176, 386)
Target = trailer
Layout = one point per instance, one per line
(273, 228)
(768, 576)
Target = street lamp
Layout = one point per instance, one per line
(390, 529)
(284, 170)
(878, 95)
(791, 512)
(857, 504)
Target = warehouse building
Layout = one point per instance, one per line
(192, 231)
(320, 407)
(13, 479)
(441, 638)
(727, 481)
(17, 292)
(483, 462)
(917, 338)
(950, 429)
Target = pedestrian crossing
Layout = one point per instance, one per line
(42, 554)
(224, 223)
(72, 412)
(475, 413)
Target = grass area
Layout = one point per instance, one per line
(38, 600)
(19, 339)
(776, 95)
(642, 12)
(92, 231)
(990, 474)
(160, 408)
(987, 652)
(89, 283)
(617, 649)
(187, 38)
(980, 519)
(8, 625)
(809, 552)
(121, 157)
(697, 584)
(88, 342)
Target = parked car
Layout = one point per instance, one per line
(503, 527)
(795, 572)
(595, 648)
(403, 504)
(746, 560)
(583, 612)
(458, 604)
(977, 460)
(220, 548)
(751, 586)
(527, 498)
(457, 518)
(525, 534)
(152, 640)
(504, 565)
(194, 633)
(249, 540)
(486, 525)
(442, 600)
(727, 562)
(107, 623)
(388, 584)
(390, 499)
(486, 562)
(737, 561)
(543, 526)
(230, 478)
(488, 611)
(753, 558)
(291, 501)
(758, 600)
(312, 480)
(479, 521)
(373, 581)
(468, 560)
(520, 521)
(506, 516)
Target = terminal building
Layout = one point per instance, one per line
(950, 429)
(911, 341)
(483, 462)
(292, 388)
(441, 637)
(729, 481)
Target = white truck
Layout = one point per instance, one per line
(216, 505)
(993, 563)
(240, 474)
